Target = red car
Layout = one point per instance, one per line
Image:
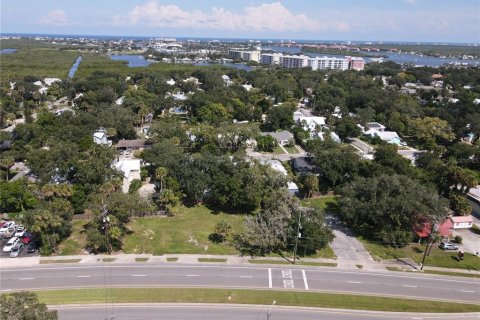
(26, 240)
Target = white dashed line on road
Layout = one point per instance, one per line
(87, 276)
(192, 275)
(305, 279)
(356, 282)
(407, 286)
(468, 291)
(139, 275)
(270, 278)
(26, 278)
(245, 276)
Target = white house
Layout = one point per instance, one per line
(292, 188)
(170, 82)
(247, 87)
(130, 170)
(120, 100)
(100, 137)
(276, 165)
(226, 79)
(387, 136)
(192, 79)
(462, 222)
(283, 137)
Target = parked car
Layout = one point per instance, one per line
(20, 231)
(15, 252)
(33, 246)
(10, 244)
(26, 240)
(6, 225)
(10, 232)
(447, 246)
(27, 234)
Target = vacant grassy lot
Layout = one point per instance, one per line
(186, 232)
(320, 203)
(74, 244)
(437, 257)
(287, 298)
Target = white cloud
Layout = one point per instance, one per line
(411, 1)
(265, 17)
(55, 18)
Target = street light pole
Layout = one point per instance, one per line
(269, 312)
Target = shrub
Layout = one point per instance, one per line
(134, 186)
(458, 239)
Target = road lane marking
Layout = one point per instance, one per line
(305, 279)
(139, 275)
(354, 282)
(270, 278)
(87, 276)
(26, 278)
(287, 279)
(245, 276)
(407, 286)
(192, 275)
(468, 291)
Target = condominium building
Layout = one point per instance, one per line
(293, 62)
(244, 55)
(332, 63)
(316, 63)
(356, 63)
(270, 58)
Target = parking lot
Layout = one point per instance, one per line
(24, 253)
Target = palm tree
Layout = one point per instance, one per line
(311, 184)
(160, 174)
(6, 163)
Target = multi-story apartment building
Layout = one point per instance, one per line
(316, 63)
(244, 55)
(293, 62)
(356, 63)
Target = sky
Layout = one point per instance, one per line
(355, 20)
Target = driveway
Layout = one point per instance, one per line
(348, 249)
(471, 240)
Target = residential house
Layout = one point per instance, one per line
(170, 82)
(130, 170)
(137, 144)
(148, 118)
(226, 79)
(283, 138)
(276, 165)
(387, 136)
(292, 188)
(375, 125)
(462, 222)
(444, 228)
(304, 165)
(100, 137)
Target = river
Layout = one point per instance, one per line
(74, 68)
(134, 60)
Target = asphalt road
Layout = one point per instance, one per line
(232, 312)
(255, 277)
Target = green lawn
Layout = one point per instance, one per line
(74, 244)
(237, 296)
(320, 203)
(437, 257)
(299, 262)
(291, 149)
(186, 232)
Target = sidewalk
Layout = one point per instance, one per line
(351, 265)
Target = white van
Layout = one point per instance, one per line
(10, 244)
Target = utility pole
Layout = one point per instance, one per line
(297, 238)
(105, 224)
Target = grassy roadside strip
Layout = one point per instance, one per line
(238, 296)
(301, 263)
(445, 273)
(60, 261)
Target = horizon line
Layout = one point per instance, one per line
(380, 42)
